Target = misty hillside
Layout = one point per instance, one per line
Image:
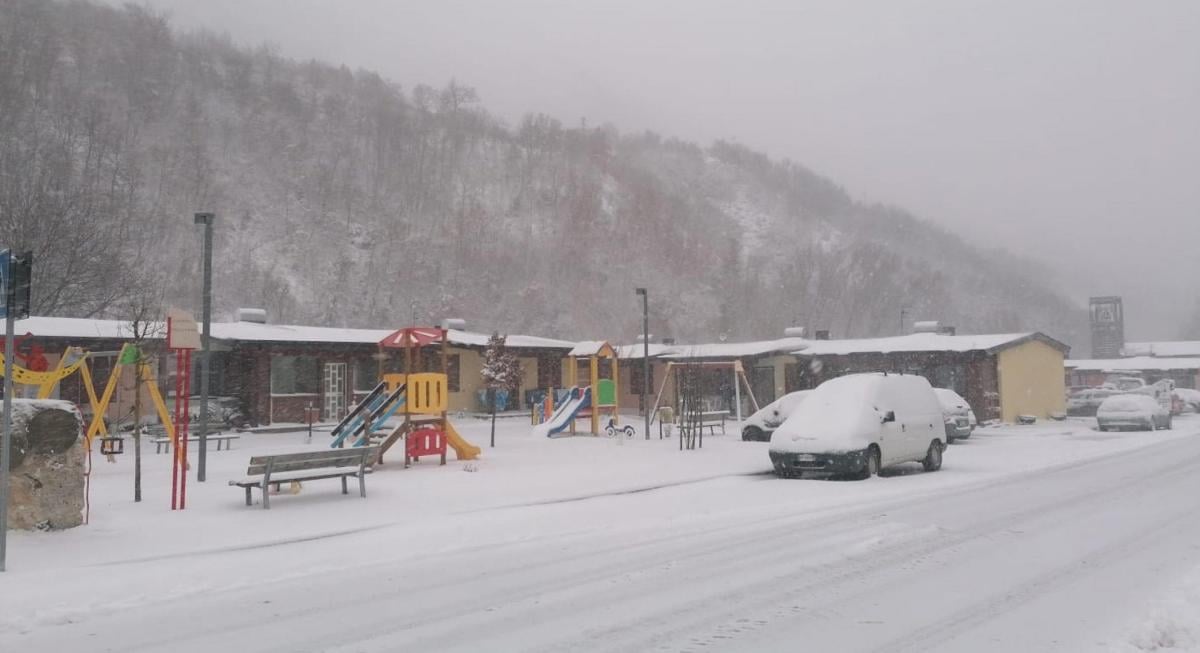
(344, 199)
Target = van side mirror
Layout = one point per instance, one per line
(889, 416)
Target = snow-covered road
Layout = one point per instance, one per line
(1052, 554)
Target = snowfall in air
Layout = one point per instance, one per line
(1053, 536)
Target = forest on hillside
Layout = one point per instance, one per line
(344, 199)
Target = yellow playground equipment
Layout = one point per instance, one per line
(587, 400)
(74, 359)
(420, 397)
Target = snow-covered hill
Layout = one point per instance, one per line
(344, 199)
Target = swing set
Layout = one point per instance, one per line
(74, 359)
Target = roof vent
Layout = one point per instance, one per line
(253, 315)
(927, 326)
(454, 323)
(795, 332)
(668, 341)
(821, 334)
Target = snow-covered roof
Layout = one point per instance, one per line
(66, 327)
(1167, 349)
(638, 350)
(74, 327)
(588, 348)
(474, 339)
(736, 349)
(1134, 364)
(923, 342)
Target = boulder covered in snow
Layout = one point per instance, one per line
(46, 480)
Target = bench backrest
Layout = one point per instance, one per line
(296, 462)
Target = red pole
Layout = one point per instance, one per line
(175, 452)
(187, 418)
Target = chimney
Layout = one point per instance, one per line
(252, 315)
(926, 326)
(822, 334)
(454, 323)
(668, 341)
(795, 332)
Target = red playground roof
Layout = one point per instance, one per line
(413, 337)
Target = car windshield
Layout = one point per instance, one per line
(600, 325)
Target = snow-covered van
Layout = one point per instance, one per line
(860, 423)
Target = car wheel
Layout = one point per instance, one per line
(949, 439)
(933, 457)
(871, 466)
(752, 434)
(1168, 423)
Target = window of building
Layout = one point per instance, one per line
(636, 372)
(452, 372)
(366, 375)
(293, 375)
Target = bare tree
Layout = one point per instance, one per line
(146, 330)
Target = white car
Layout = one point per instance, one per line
(760, 425)
(957, 415)
(1190, 399)
(860, 423)
(1132, 411)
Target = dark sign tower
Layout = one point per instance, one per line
(1108, 327)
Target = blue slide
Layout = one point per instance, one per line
(565, 414)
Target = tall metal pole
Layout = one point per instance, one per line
(645, 358)
(205, 219)
(6, 440)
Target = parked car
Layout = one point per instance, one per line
(763, 422)
(957, 415)
(1133, 411)
(860, 423)
(1085, 402)
(1190, 399)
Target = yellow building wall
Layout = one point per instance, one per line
(470, 379)
(1031, 381)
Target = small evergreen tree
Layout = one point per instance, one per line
(501, 371)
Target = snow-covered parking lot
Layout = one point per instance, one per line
(1045, 537)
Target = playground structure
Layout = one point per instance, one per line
(586, 401)
(672, 375)
(75, 360)
(420, 397)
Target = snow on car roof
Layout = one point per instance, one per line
(1130, 401)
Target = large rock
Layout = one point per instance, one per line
(46, 474)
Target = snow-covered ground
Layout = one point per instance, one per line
(1048, 537)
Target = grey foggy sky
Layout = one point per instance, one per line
(1067, 129)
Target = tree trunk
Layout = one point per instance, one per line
(492, 403)
(137, 434)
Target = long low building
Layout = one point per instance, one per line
(278, 370)
(1001, 375)
(1185, 372)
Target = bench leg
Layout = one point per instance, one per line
(344, 490)
(266, 488)
(362, 485)
(249, 500)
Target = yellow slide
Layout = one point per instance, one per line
(463, 450)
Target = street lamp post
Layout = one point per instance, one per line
(645, 358)
(205, 219)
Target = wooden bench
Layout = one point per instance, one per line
(708, 420)
(226, 439)
(265, 471)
